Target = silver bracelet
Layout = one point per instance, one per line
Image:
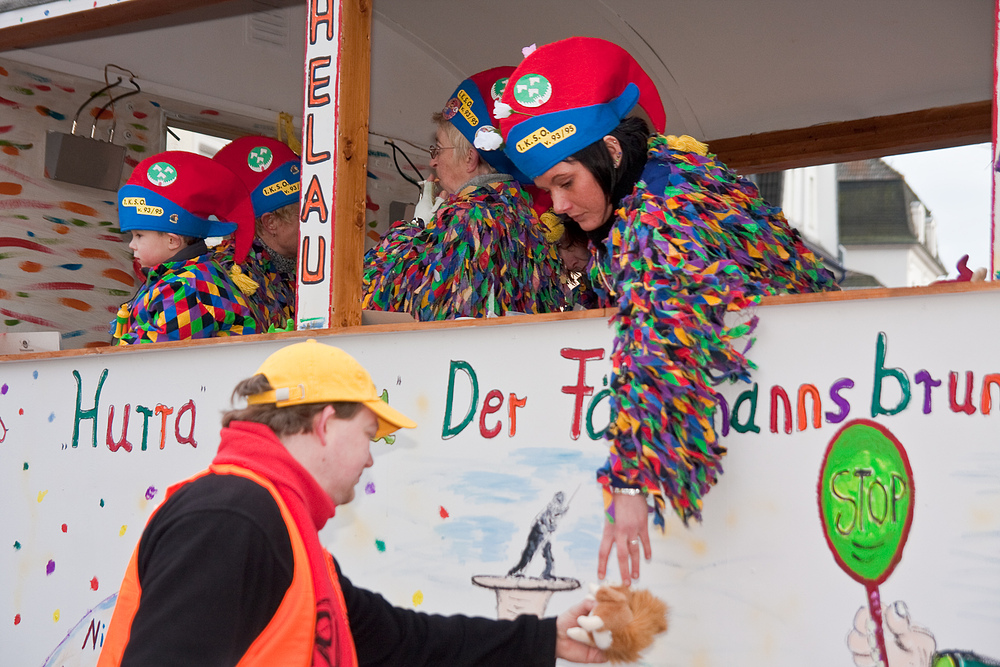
(627, 491)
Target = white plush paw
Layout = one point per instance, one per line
(590, 623)
(580, 635)
(602, 638)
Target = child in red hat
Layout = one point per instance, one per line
(677, 241)
(166, 204)
(483, 250)
(271, 172)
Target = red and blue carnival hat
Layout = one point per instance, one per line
(566, 95)
(471, 109)
(177, 192)
(269, 169)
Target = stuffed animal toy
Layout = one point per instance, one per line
(623, 623)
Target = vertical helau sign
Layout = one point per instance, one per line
(319, 160)
(994, 246)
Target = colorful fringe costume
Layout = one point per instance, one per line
(693, 241)
(270, 292)
(484, 245)
(184, 298)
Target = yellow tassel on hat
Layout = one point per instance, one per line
(687, 144)
(553, 227)
(121, 321)
(246, 284)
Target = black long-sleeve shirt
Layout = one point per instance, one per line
(216, 560)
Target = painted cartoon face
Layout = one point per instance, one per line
(866, 500)
(576, 193)
(151, 248)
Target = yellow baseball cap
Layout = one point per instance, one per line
(311, 372)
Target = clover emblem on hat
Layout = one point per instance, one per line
(161, 174)
(260, 158)
(496, 90)
(532, 90)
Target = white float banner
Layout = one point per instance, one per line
(497, 408)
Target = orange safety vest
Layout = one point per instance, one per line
(287, 641)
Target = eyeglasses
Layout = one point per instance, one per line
(435, 150)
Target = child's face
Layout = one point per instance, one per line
(152, 248)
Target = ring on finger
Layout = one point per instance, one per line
(634, 542)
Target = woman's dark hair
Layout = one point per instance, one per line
(617, 183)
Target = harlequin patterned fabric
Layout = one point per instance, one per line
(273, 301)
(192, 298)
(693, 241)
(483, 240)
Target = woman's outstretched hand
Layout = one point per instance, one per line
(629, 530)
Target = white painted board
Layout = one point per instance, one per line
(754, 585)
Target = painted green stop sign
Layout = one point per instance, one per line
(866, 500)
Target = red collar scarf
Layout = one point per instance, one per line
(257, 448)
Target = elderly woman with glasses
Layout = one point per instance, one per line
(483, 250)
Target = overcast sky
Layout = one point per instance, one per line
(954, 183)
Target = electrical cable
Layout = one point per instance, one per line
(395, 148)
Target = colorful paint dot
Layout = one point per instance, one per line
(55, 616)
(93, 253)
(65, 528)
(370, 488)
(41, 494)
(380, 545)
(52, 417)
(418, 598)
(444, 513)
(102, 502)
(45, 111)
(17, 619)
(17, 545)
(150, 493)
(93, 584)
(34, 375)
(122, 531)
(119, 275)
(75, 304)
(3, 389)
(20, 411)
(50, 567)
(25, 465)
